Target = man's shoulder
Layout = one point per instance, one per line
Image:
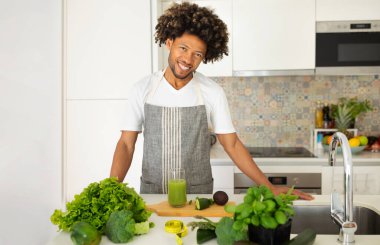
(143, 84)
(209, 85)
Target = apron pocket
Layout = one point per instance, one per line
(147, 187)
(205, 188)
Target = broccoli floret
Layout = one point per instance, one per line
(120, 227)
(142, 228)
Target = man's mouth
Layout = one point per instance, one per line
(183, 67)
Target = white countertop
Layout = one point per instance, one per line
(158, 236)
(220, 158)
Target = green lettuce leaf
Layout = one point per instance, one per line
(97, 201)
(226, 235)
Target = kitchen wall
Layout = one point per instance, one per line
(279, 111)
(30, 120)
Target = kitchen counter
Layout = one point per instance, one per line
(366, 170)
(158, 236)
(365, 158)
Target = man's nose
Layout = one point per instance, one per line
(188, 57)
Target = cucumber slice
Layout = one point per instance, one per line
(202, 203)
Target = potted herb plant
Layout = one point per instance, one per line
(268, 217)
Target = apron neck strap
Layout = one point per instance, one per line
(198, 89)
(155, 81)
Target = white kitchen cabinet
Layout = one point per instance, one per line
(366, 180)
(223, 178)
(273, 35)
(108, 47)
(223, 8)
(93, 129)
(340, 10)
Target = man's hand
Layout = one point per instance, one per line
(302, 195)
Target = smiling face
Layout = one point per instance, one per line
(186, 53)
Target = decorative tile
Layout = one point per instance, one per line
(279, 111)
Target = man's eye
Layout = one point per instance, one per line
(183, 48)
(199, 56)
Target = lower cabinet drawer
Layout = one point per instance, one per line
(223, 177)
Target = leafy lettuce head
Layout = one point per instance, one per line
(96, 203)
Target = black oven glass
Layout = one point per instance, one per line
(351, 52)
(348, 49)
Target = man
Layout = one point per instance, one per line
(178, 106)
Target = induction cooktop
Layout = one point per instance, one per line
(290, 152)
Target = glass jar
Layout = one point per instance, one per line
(177, 187)
(319, 116)
(326, 116)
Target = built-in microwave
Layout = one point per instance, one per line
(348, 47)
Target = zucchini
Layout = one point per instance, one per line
(204, 235)
(85, 234)
(306, 237)
(202, 203)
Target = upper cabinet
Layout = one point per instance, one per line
(273, 35)
(270, 37)
(108, 47)
(338, 10)
(223, 8)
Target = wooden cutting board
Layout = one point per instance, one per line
(164, 209)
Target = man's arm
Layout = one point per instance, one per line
(241, 157)
(123, 155)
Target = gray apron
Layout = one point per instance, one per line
(175, 137)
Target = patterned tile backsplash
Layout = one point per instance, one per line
(279, 111)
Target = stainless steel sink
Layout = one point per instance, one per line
(318, 218)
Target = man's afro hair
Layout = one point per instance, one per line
(192, 19)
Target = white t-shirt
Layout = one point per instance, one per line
(214, 98)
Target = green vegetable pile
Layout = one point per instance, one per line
(262, 208)
(97, 202)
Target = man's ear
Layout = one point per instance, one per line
(169, 43)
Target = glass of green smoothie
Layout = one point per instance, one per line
(177, 187)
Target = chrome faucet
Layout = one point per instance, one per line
(343, 216)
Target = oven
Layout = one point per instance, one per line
(348, 47)
(306, 182)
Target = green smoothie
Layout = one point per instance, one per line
(177, 192)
